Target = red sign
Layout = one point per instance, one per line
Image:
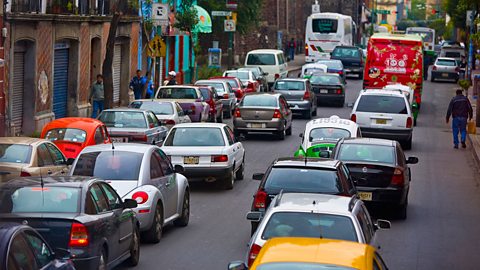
(232, 4)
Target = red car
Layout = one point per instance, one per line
(211, 97)
(72, 134)
(235, 83)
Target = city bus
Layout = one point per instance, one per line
(325, 31)
(428, 35)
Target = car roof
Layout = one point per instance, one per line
(380, 92)
(315, 250)
(237, 70)
(128, 147)
(325, 74)
(64, 181)
(307, 202)
(74, 122)
(446, 58)
(293, 79)
(22, 140)
(265, 51)
(154, 101)
(332, 121)
(346, 46)
(199, 82)
(262, 94)
(205, 125)
(306, 162)
(125, 109)
(371, 141)
(409, 37)
(178, 86)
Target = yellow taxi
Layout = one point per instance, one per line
(314, 254)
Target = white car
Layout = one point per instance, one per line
(208, 152)
(271, 61)
(316, 216)
(384, 114)
(169, 113)
(143, 173)
(309, 69)
(323, 133)
(246, 77)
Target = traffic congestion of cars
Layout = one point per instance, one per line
(87, 193)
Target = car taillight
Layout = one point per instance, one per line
(252, 255)
(339, 91)
(140, 196)
(306, 50)
(277, 114)
(340, 72)
(23, 174)
(225, 96)
(78, 235)
(353, 117)
(170, 122)
(237, 113)
(397, 178)
(260, 201)
(306, 96)
(434, 67)
(250, 86)
(150, 125)
(277, 76)
(409, 122)
(219, 158)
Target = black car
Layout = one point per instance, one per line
(379, 170)
(351, 57)
(328, 88)
(305, 175)
(21, 247)
(82, 215)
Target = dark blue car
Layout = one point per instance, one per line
(81, 215)
(21, 247)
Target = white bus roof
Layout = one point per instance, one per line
(327, 15)
(420, 28)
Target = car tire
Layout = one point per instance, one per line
(314, 113)
(432, 79)
(154, 233)
(407, 145)
(183, 220)
(402, 210)
(134, 249)
(229, 180)
(281, 134)
(240, 174)
(341, 103)
(288, 132)
(220, 118)
(253, 228)
(103, 260)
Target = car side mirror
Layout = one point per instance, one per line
(179, 169)
(254, 216)
(382, 224)
(69, 161)
(129, 203)
(300, 135)
(237, 265)
(412, 160)
(62, 254)
(258, 176)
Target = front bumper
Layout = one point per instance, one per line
(273, 125)
(390, 134)
(388, 195)
(206, 173)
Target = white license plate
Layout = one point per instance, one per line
(381, 121)
(119, 139)
(444, 74)
(191, 160)
(323, 91)
(257, 125)
(365, 196)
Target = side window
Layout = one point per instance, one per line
(91, 207)
(284, 105)
(114, 201)
(105, 133)
(155, 168)
(345, 170)
(230, 90)
(20, 255)
(179, 109)
(44, 157)
(230, 139)
(98, 136)
(363, 223)
(165, 163)
(400, 157)
(58, 158)
(155, 119)
(152, 121)
(41, 251)
(99, 199)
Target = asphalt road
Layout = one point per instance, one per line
(442, 230)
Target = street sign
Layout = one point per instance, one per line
(232, 4)
(229, 26)
(218, 13)
(469, 17)
(160, 13)
(315, 8)
(381, 11)
(156, 47)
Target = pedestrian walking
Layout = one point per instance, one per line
(149, 91)
(171, 78)
(460, 109)
(97, 96)
(137, 84)
(291, 48)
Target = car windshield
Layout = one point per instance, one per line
(311, 70)
(177, 93)
(123, 119)
(325, 26)
(157, 108)
(346, 52)
(367, 153)
(66, 134)
(328, 133)
(445, 62)
(109, 165)
(218, 86)
(382, 104)
(306, 224)
(300, 266)
(259, 101)
(242, 75)
(233, 83)
(289, 85)
(15, 153)
(302, 179)
(261, 59)
(195, 136)
(324, 79)
(331, 64)
(39, 200)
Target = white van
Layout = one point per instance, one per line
(271, 61)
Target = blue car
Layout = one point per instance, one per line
(21, 247)
(334, 66)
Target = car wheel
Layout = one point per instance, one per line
(407, 145)
(402, 209)
(220, 118)
(154, 233)
(240, 174)
(229, 180)
(254, 228)
(432, 79)
(281, 134)
(183, 220)
(135, 248)
(289, 130)
(314, 113)
(103, 260)
(341, 103)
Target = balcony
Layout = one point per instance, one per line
(70, 7)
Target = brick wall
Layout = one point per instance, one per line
(134, 35)
(44, 52)
(85, 53)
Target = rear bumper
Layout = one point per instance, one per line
(202, 173)
(390, 134)
(299, 105)
(354, 70)
(329, 97)
(268, 126)
(389, 195)
(445, 75)
(85, 263)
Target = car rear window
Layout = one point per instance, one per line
(300, 266)
(242, 75)
(109, 165)
(289, 85)
(453, 54)
(302, 179)
(368, 153)
(218, 86)
(123, 119)
(39, 200)
(177, 93)
(331, 64)
(324, 79)
(233, 83)
(195, 136)
(382, 104)
(259, 101)
(314, 225)
(449, 63)
(156, 107)
(261, 59)
(15, 153)
(328, 133)
(346, 52)
(66, 134)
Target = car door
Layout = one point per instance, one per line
(378, 263)
(20, 255)
(123, 217)
(287, 113)
(171, 185)
(231, 95)
(367, 225)
(59, 160)
(182, 117)
(45, 160)
(235, 146)
(43, 254)
(159, 180)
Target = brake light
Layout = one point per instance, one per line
(306, 50)
(170, 122)
(250, 86)
(353, 117)
(340, 72)
(277, 114)
(409, 122)
(277, 76)
(140, 196)
(434, 67)
(225, 96)
(306, 96)
(219, 158)
(252, 255)
(78, 235)
(397, 178)
(260, 201)
(237, 113)
(23, 174)
(339, 91)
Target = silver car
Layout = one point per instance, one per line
(299, 95)
(225, 92)
(445, 69)
(143, 173)
(133, 125)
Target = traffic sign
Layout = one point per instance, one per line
(381, 11)
(232, 4)
(218, 13)
(156, 47)
(229, 26)
(160, 13)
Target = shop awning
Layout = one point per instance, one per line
(204, 24)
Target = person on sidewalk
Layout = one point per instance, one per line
(149, 91)
(460, 109)
(171, 78)
(291, 49)
(97, 96)
(137, 84)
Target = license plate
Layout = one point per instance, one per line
(444, 74)
(323, 91)
(191, 160)
(119, 139)
(381, 121)
(256, 125)
(365, 196)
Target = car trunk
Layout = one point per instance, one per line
(127, 134)
(371, 175)
(201, 156)
(292, 95)
(257, 113)
(9, 171)
(69, 149)
(325, 88)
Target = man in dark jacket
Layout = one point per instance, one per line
(137, 84)
(460, 109)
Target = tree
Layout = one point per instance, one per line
(185, 20)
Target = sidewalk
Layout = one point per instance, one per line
(474, 139)
(297, 63)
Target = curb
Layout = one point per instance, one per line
(475, 152)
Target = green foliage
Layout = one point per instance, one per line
(205, 72)
(457, 9)
(438, 25)
(186, 16)
(464, 84)
(418, 11)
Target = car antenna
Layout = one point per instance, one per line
(42, 184)
(113, 146)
